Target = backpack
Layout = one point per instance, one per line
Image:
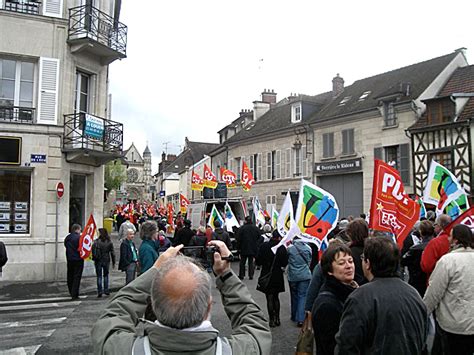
(96, 252)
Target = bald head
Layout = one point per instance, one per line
(181, 293)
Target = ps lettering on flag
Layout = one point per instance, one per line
(467, 218)
(229, 178)
(285, 218)
(209, 178)
(230, 219)
(196, 183)
(391, 209)
(317, 213)
(442, 189)
(214, 216)
(86, 239)
(258, 212)
(247, 178)
(183, 204)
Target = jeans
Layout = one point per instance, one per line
(298, 291)
(131, 272)
(243, 261)
(102, 267)
(74, 275)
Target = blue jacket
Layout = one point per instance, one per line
(71, 242)
(299, 259)
(147, 255)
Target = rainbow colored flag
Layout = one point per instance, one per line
(317, 213)
(214, 216)
(419, 200)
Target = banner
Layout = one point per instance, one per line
(183, 204)
(258, 212)
(230, 219)
(275, 215)
(209, 178)
(170, 228)
(214, 216)
(442, 188)
(196, 182)
(457, 207)
(229, 178)
(317, 213)
(87, 237)
(286, 218)
(247, 179)
(391, 209)
(467, 218)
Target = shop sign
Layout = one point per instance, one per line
(162, 193)
(94, 127)
(38, 158)
(340, 166)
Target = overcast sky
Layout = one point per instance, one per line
(192, 65)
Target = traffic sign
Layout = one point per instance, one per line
(60, 189)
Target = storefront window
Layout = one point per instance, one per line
(15, 201)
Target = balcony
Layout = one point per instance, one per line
(26, 7)
(91, 140)
(16, 114)
(96, 33)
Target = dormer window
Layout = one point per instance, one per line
(344, 100)
(389, 114)
(440, 111)
(364, 95)
(296, 113)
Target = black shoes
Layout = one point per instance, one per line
(99, 295)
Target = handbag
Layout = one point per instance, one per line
(305, 344)
(263, 281)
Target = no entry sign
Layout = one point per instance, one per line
(60, 189)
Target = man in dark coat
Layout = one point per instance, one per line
(386, 315)
(75, 264)
(3, 256)
(220, 234)
(184, 235)
(248, 239)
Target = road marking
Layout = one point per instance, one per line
(41, 334)
(39, 305)
(27, 350)
(39, 300)
(32, 323)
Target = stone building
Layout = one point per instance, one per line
(55, 125)
(139, 184)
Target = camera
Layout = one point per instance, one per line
(204, 253)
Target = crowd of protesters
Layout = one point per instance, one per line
(365, 295)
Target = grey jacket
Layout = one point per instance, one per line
(119, 325)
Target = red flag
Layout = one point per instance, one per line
(247, 178)
(467, 218)
(183, 204)
(229, 178)
(196, 183)
(209, 178)
(87, 237)
(391, 209)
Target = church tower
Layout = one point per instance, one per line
(147, 180)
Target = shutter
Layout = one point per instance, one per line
(288, 163)
(53, 8)
(331, 144)
(378, 153)
(252, 165)
(48, 91)
(293, 162)
(304, 161)
(259, 166)
(269, 165)
(325, 145)
(405, 163)
(350, 139)
(278, 164)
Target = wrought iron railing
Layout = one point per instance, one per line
(27, 7)
(17, 114)
(88, 22)
(84, 131)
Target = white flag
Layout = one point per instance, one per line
(286, 218)
(258, 212)
(290, 235)
(230, 219)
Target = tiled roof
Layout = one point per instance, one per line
(194, 152)
(407, 82)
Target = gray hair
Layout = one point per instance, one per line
(147, 229)
(443, 220)
(186, 310)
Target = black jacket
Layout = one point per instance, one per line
(106, 248)
(412, 259)
(220, 234)
(248, 237)
(265, 259)
(385, 316)
(359, 277)
(327, 312)
(3, 256)
(183, 236)
(71, 242)
(126, 254)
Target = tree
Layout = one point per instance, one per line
(115, 175)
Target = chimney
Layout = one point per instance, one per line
(337, 85)
(269, 96)
(163, 156)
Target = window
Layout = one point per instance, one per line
(278, 164)
(364, 95)
(15, 201)
(269, 166)
(288, 163)
(298, 158)
(398, 157)
(82, 93)
(444, 158)
(25, 6)
(440, 112)
(348, 141)
(389, 114)
(258, 169)
(237, 167)
(344, 100)
(16, 90)
(271, 203)
(296, 113)
(328, 145)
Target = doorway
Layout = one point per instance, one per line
(77, 200)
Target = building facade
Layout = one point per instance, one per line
(54, 125)
(139, 184)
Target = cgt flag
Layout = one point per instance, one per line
(229, 178)
(196, 183)
(87, 237)
(247, 178)
(391, 209)
(183, 204)
(209, 179)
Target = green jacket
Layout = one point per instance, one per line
(147, 255)
(117, 328)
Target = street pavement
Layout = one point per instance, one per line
(40, 318)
